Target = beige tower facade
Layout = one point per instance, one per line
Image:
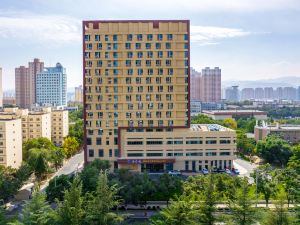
(136, 76)
(137, 99)
(10, 142)
(59, 126)
(25, 83)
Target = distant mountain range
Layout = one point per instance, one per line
(291, 81)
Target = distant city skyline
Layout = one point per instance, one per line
(248, 39)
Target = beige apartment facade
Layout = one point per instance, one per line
(136, 74)
(35, 124)
(59, 126)
(10, 142)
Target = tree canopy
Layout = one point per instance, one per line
(274, 150)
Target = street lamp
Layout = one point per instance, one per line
(258, 171)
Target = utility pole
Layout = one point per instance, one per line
(256, 191)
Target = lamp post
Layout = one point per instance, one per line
(256, 183)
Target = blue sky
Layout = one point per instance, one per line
(248, 39)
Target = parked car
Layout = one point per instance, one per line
(228, 171)
(236, 171)
(214, 170)
(205, 171)
(174, 173)
(220, 170)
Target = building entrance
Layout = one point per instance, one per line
(153, 168)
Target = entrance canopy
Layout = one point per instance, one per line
(146, 161)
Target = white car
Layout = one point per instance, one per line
(205, 171)
(174, 173)
(228, 171)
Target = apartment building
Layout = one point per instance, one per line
(59, 126)
(25, 83)
(78, 94)
(35, 124)
(195, 85)
(259, 93)
(41, 122)
(137, 99)
(10, 141)
(206, 86)
(51, 86)
(232, 94)
(269, 93)
(210, 89)
(247, 94)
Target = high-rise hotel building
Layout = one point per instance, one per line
(136, 96)
(25, 83)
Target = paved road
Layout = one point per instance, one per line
(72, 165)
(245, 167)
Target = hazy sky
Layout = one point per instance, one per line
(248, 39)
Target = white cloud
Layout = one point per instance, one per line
(209, 35)
(39, 28)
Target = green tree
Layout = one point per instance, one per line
(181, 211)
(3, 219)
(290, 181)
(70, 146)
(244, 145)
(76, 130)
(167, 186)
(274, 150)
(101, 202)
(11, 180)
(294, 160)
(241, 205)
(76, 115)
(38, 160)
(265, 183)
(57, 157)
(209, 197)
(39, 143)
(57, 187)
(71, 210)
(90, 174)
(203, 189)
(230, 123)
(280, 215)
(37, 211)
(202, 119)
